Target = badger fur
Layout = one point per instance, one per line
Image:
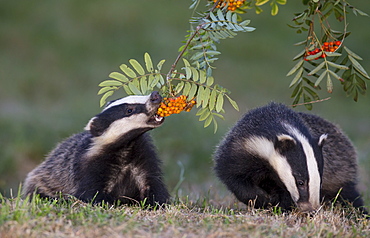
(112, 160)
(274, 156)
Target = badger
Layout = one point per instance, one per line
(112, 160)
(275, 156)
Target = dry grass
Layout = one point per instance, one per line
(184, 218)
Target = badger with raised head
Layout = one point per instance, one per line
(112, 160)
(274, 156)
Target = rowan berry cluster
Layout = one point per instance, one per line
(175, 105)
(232, 4)
(327, 47)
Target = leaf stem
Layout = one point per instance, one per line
(179, 56)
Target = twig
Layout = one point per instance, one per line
(198, 28)
(321, 100)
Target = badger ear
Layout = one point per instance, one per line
(94, 127)
(88, 126)
(284, 142)
(322, 139)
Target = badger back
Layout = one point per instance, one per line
(276, 137)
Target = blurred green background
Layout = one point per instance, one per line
(53, 55)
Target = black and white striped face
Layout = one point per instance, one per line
(126, 117)
(298, 162)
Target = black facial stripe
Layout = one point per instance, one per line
(103, 120)
(120, 111)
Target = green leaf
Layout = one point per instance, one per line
(212, 52)
(187, 89)
(208, 121)
(128, 71)
(307, 99)
(215, 124)
(258, 10)
(358, 67)
(103, 99)
(143, 85)
(332, 54)
(261, 2)
(107, 83)
(297, 77)
(274, 9)
(186, 63)
(219, 102)
(160, 64)
(318, 81)
(233, 103)
(351, 53)
(106, 89)
(204, 114)
(195, 74)
(118, 76)
(338, 66)
(179, 87)
(127, 90)
(245, 23)
(202, 76)
(205, 98)
(137, 66)
(200, 96)
(220, 15)
(212, 100)
(210, 81)
(296, 67)
(312, 57)
(315, 70)
(156, 79)
(335, 75)
(299, 55)
(297, 90)
(148, 63)
(281, 2)
(329, 84)
(312, 93)
(197, 55)
(193, 90)
(213, 17)
(201, 111)
(361, 83)
(188, 72)
(134, 89)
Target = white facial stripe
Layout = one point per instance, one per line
(117, 129)
(264, 148)
(313, 170)
(129, 100)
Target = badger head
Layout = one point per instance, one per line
(125, 119)
(297, 160)
(302, 169)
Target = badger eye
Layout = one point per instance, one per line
(300, 182)
(129, 110)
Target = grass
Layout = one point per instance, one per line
(182, 218)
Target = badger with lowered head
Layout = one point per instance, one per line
(274, 156)
(113, 160)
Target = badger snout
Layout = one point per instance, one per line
(155, 97)
(153, 104)
(306, 207)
